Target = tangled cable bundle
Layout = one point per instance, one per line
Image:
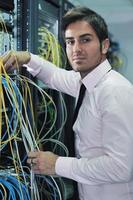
(18, 131)
(50, 49)
(18, 128)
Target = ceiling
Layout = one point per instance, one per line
(112, 10)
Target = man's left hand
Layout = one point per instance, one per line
(42, 162)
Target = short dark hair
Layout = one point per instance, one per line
(83, 13)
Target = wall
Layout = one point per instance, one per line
(123, 33)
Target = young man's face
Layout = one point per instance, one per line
(83, 47)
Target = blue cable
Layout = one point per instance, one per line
(10, 191)
(24, 188)
(1, 195)
(13, 188)
(19, 99)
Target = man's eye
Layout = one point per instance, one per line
(85, 40)
(69, 42)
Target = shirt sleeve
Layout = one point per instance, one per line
(54, 77)
(116, 163)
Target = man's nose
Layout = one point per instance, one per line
(77, 47)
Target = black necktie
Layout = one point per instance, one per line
(72, 150)
(79, 102)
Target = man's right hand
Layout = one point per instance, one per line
(15, 59)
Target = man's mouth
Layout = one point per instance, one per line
(78, 58)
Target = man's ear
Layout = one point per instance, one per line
(105, 46)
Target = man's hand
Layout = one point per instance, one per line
(15, 59)
(42, 162)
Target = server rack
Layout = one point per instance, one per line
(7, 42)
(48, 13)
(31, 15)
(7, 31)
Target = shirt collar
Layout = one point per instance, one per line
(92, 78)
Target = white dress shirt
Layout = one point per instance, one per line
(103, 130)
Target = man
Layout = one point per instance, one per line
(103, 166)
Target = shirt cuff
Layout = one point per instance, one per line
(63, 166)
(33, 66)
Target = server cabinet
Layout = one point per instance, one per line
(7, 42)
(29, 29)
(33, 17)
